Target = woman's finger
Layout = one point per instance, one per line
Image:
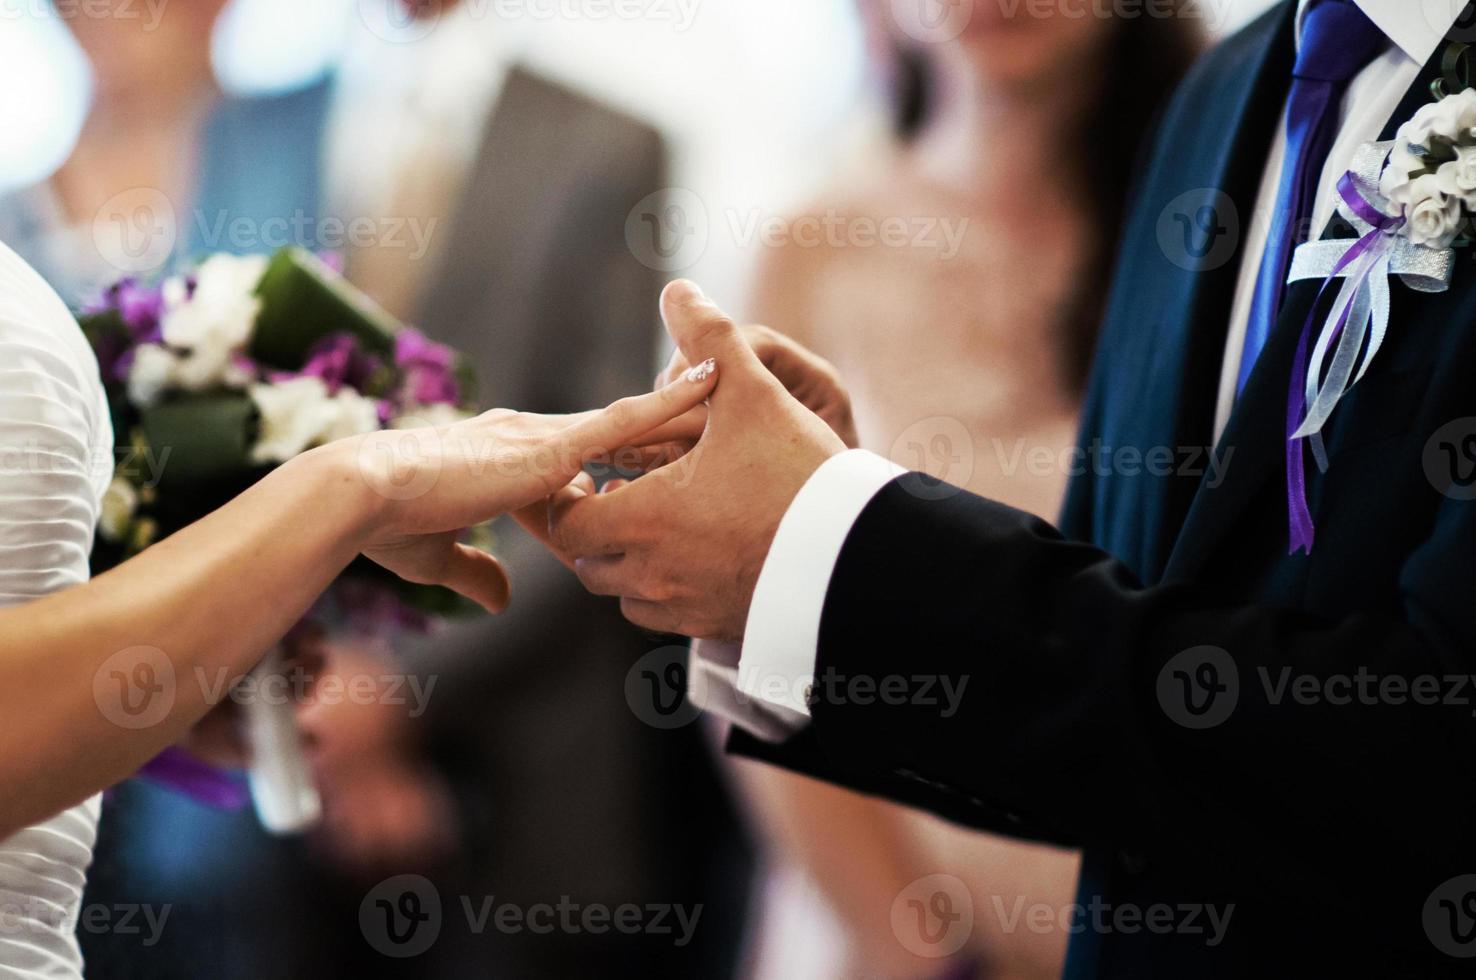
(478, 576)
(627, 420)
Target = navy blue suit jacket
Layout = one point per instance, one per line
(1158, 681)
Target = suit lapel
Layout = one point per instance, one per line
(1255, 433)
(1166, 324)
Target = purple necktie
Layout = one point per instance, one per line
(1338, 41)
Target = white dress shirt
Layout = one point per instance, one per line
(766, 692)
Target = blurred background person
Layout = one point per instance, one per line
(469, 179)
(1009, 164)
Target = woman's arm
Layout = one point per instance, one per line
(96, 680)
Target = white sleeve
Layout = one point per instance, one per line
(55, 440)
(768, 690)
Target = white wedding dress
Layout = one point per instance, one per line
(56, 451)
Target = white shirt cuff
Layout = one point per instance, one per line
(713, 687)
(777, 665)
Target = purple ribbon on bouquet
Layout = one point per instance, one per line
(181, 772)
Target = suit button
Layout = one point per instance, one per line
(1133, 862)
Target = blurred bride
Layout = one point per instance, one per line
(1019, 134)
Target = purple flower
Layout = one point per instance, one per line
(427, 368)
(332, 259)
(367, 608)
(339, 360)
(142, 309)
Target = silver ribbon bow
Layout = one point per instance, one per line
(1363, 302)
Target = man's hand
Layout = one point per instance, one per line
(425, 485)
(810, 378)
(683, 546)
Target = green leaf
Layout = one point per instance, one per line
(206, 437)
(304, 300)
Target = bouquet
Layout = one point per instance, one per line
(217, 375)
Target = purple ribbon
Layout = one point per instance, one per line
(1302, 530)
(181, 772)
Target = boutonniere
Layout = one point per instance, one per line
(1409, 201)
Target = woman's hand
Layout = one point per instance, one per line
(424, 486)
(810, 378)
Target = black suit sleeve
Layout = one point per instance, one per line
(1072, 726)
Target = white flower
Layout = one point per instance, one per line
(437, 416)
(1434, 219)
(1452, 118)
(119, 504)
(294, 415)
(153, 371)
(351, 415)
(298, 414)
(1458, 176)
(216, 320)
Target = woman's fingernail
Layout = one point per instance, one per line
(702, 371)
